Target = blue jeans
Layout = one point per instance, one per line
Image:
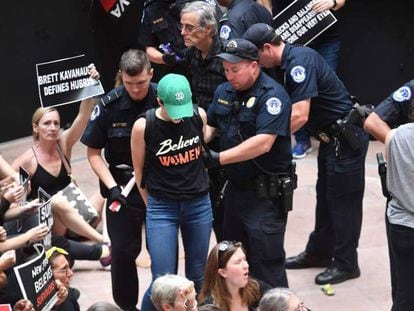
(164, 218)
(330, 52)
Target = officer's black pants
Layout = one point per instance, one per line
(401, 249)
(339, 194)
(260, 225)
(124, 229)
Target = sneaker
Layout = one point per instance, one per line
(301, 149)
(106, 261)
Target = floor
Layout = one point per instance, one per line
(369, 292)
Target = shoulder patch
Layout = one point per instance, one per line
(111, 96)
(402, 94)
(273, 105)
(298, 74)
(95, 112)
(225, 32)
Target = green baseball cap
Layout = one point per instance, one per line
(175, 93)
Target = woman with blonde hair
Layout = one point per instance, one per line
(45, 164)
(227, 283)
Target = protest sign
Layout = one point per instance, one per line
(299, 24)
(24, 178)
(4, 307)
(43, 215)
(36, 281)
(65, 81)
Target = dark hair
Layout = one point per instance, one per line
(133, 62)
(214, 284)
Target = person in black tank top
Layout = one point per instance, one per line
(175, 183)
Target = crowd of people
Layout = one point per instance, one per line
(209, 148)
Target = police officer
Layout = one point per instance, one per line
(321, 103)
(239, 16)
(395, 110)
(109, 128)
(251, 112)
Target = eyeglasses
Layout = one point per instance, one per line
(225, 245)
(63, 271)
(188, 28)
(54, 249)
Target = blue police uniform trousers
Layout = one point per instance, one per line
(260, 225)
(339, 195)
(124, 229)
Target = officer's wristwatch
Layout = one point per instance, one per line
(334, 4)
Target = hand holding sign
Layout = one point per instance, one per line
(37, 233)
(323, 5)
(7, 260)
(23, 305)
(3, 234)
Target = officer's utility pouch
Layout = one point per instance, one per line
(260, 185)
(286, 190)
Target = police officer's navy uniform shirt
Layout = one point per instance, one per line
(264, 109)
(110, 124)
(240, 16)
(308, 75)
(159, 24)
(394, 109)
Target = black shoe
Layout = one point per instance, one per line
(333, 275)
(304, 260)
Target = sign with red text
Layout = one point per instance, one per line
(299, 24)
(65, 81)
(36, 281)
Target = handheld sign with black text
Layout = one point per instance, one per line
(36, 281)
(45, 214)
(24, 178)
(65, 81)
(299, 24)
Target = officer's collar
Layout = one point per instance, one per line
(127, 102)
(285, 55)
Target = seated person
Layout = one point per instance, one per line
(44, 164)
(227, 283)
(173, 293)
(281, 299)
(103, 306)
(62, 273)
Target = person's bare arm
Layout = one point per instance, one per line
(375, 126)
(138, 155)
(300, 114)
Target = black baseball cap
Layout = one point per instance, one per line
(237, 50)
(259, 34)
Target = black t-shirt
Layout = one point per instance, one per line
(176, 170)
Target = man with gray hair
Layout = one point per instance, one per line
(173, 292)
(199, 29)
(281, 299)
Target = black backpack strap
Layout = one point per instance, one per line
(199, 122)
(149, 129)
